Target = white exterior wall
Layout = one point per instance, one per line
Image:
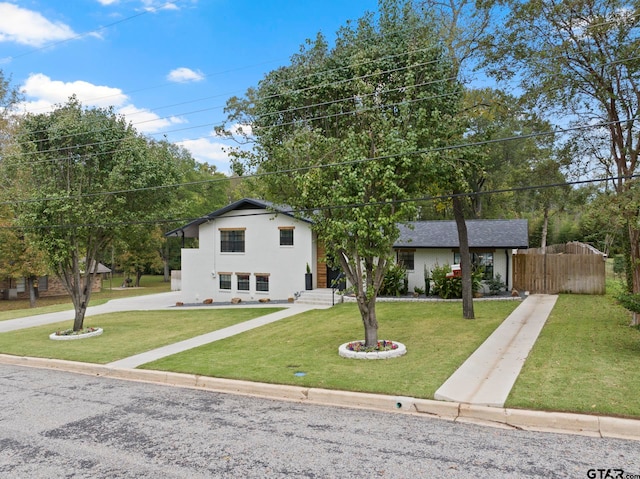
(434, 256)
(285, 265)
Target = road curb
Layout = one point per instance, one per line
(544, 421)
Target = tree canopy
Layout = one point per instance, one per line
(345, 136)
(578, 60)
(82, 177)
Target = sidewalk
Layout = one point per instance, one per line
(487, 376)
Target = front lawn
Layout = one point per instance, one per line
(587, 359)
(19, 308)
(438, 340)
(125, 334)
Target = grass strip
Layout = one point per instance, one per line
(125, 334)
(438, 340)
(587, 359)
(19, 308)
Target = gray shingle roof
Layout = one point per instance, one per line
(482, 234)
(421, 234)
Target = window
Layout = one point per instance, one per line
(405, 258)
(262, 282)
(243, 281)
(286, 236)
(225, 280)
(232, 241)
(480, 260)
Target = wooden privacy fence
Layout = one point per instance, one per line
(571, 268)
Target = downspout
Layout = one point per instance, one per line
(506, 253)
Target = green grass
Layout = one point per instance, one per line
(587, 359)
(125, 334)
(438, 340)
(19, 308)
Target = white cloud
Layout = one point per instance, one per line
(185, 75)
(149, 5)
(28, 27)
(206, 151)
(241, 130)
(153, 5)
(43, 94)
(146, 121)
(47, 92)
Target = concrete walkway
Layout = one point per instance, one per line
(150, 302)
(162, 301)
(487, 376)
(148, 356)
(136, 303)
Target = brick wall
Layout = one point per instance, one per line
(55, 288)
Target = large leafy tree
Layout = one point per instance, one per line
(141, 251)
(19, 258)
(202, 190)
(82, 177)
(346, 135)
(581, 58)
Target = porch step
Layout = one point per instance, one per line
(324, 296)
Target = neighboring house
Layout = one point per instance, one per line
(16, 288)
(251, 250)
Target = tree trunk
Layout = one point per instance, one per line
(138, 278)
(634, 242)
(366, 298)
(370, 321)
(465, 258)
(165, 259)
(80, 303)
(545, 230)
(32, 292)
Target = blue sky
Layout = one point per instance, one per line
(168, 66)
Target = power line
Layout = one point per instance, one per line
(215, 124)
(290, 92)
(306, 211)
(358, 110)
(298, 77)
(323, 166)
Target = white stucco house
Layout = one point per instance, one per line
(253, 250)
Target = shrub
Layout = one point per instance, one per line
(395, 281)
(446, 288)
(450, 287)
(496, 284)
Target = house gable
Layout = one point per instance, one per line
(192, 230)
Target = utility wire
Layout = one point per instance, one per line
(307, 211)
(290, 92)
(220, 124)
(292, 122)
(322, 166)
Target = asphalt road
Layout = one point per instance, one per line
(60, 425)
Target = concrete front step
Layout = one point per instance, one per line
(324, 297)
